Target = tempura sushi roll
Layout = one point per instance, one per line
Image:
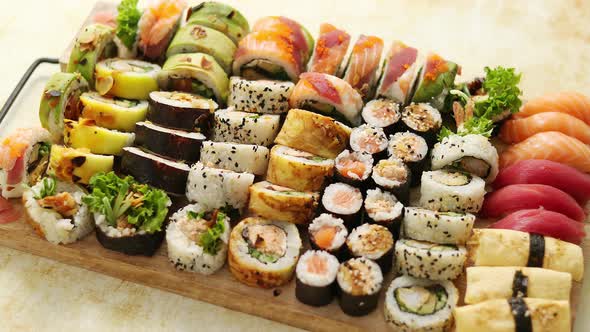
(126, 78)
(450, 191)
(369, 139)
(412, 150)
(172, 143)
(382, 113)
(77, 165)
(197, 239)
(330, 50)
(393, 176)
(429, 260)
(328, 95)
(245, 128)
(363, 64)
(400, 69)
(360, 280)
(421, 119)
(281, 203)
(383, 208)
(290, 30)
(113, 113)
(299, 170)
(373, 242)
(85, 134)
(260, 96)
(157, 26)
(315, 278)
(263, 253)
(343, 201)
(56, 212)
(439, 227)
(420, 305)
(243, 158)
(353, 168)
(435, 81)
(329, 234)
(221, 17)
(181, 110)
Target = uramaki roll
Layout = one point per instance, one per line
(220, 17)
(77, 165)
(86, 134)
(113, 113)
(93, 44)
(126, 78)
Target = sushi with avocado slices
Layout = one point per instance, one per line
(112, 112)
(263, 253)
(439, 227)
(400, 69)
(221, 17)
(383, 208)
(197, 239)
(412, 150)
(343, 201)
(245, 128)
(372, 140)
(243, 158)
(129, 216)
(382, 113)
(373, 242)
(450, 191)
(126, 78)
(259, 96)
(281, 203)
(393, 176)
(329, 234)
(156, 27)
(84, 133)
(360, 280)
(315, 278)
(428, 260)
(435, 80)
(77, 165)
(299, 170)
(423, 120)
(171, 143)
(353, 168)
(181, 110)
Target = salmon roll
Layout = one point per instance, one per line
(363, 64)
(157, 26)
(125, 78)
(282, 203)
(353, 168)
(77, 165)
(435, 81)
(315, 278)
(449, 191)
(271, 97)
(373, 242)
(93, 44)
(221, 17)
(360, 281)
(85, 134)
(382, 113)
(181, 110)
(288, 29)
(423, 120)
(439, 227)
(299, 170)
(243, 158)
(393, 176)
(343, 201)
(412, 150)
(373, 140)
(428, 260)
(400, 70)
(113, 113)
(330, 50)
(170, 143)
(329, 234)
(383, 208)
(245, 128)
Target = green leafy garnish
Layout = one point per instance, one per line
(211, 240)
(48, 188)
(44, 148)
(262, 257)
(195, 215)
(127, 21)
(201, 89)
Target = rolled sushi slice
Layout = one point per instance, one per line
(299, 170)
(328, 95)
(235, 157)
(282, 203)
(373, 242)
(289, 29)
(373, 140)
(77, 165)
(56, 212)
(315, 278)
(393, 176)
(245, 128)
(360, 280)
(382, 113)
(167, 142)
(412, 150)
(451, 191)
(157, 26)
(400, 70)
(414, 304)
(126, 78)
(353, 168)
(343, 201)
(263, 253)
(363, 64)
(261, 96)
(383, 208)
(93, 44)
(330, 50)
(166, 174)
(113, 113)
(217, 188)
(24, 155)
(85, 134)
(435, 81)
(197, 73)
(470, 153)
(197, 239)
(429, 260)
(181, 110)
(61, 100)
(221, 17)
(126, 24)
(196, 38)
(439, 227)
(421, 119)
(313, 133)
(329, 234)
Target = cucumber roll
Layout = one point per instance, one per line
(400, 69)
(93, 44)
(413, 304)
(262, 96)
(197, 239)
(220, 17)
(360, 281)
(429, 260)
(263, 253)
(343, 201)
(435, 81)
(383, 208)
(353, 168)
(196, 73)
(61, 100)
(126, 78)
(315, 278)
(412, 150)
(451, 191)
(329, 234)
(181, 110)
(373, 140)
(77, 165)
(245, 128)
(382, 113)
(421, 119)
(113, 113)
(440, 227)
(373, 242)
(394, 176)
(235, 157)
(167, 142)
(299, 170)
(87, 135)
(281, 203)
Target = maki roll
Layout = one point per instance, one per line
(328, 95)
(111, 112)
(330, 50)
(263, 253)
(399, 73)
(360, 280)
(299, 170)
(435, 81)
(181, 110)
(412, 150)
(77, 165)
(197, 239)
(315, 278)
(373, 242)
(156, 27)
(124, 78)
(363, 64)
(383, 208)
(393, 176)
(56, 212)
(221, 17)
(353, 168)
(413, 304)
(440, 227)
(382, 113)
(288, 29)
(245, 128)
(170, 143)
(422, 119)
(262, 96)
(343, 201)
(449, 191)
(281, 203)
(429, 260)
(373, 140)
(329, 234)
(84, 133)
(61, 100)
(241, 158)
(129, 216)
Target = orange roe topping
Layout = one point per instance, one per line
(435, 66)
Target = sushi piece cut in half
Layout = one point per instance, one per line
(113, 113)
(181, 110)
(77, 165)
(330, 50)
(329, 234)
(383, 208)
(399, 73)
(363, 64)
(197, 239)
(261, 96)
(373, 140)
(172, 143)
(360, 281)
(126, 78)
(263, 253)
(343, 201)
(157, 26)
(353, 168)
(373, 242)
(439, 227)
(221, 17)
(394, 176)
(414, 304)
(245, 128)
(450, 191)
(423, 120)
(282, 203)
(85, 134)
(429, 260)
(315, 278)
(93, 44)
(412, 150)
(299, 170)
(235, 157)
(382, 113)
(435, 81)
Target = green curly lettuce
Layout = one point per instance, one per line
(211, 240)
(127, 21)
(48, 188)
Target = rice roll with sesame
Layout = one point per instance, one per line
(328, 233)
(315, 278)
(246, 128)
(423, 120)
(374, 242)
(343, 201)
(428, 260)
(450, 191)
(282, 203)
(181, 110)
(440, 227)
(262, 96)
(353, 168)
(412, 150)
(383, 208)
(373, 140)
(382, 113)
(172, 143)
(394, 176)
(297, 169)
(360, 280)
(243, 158)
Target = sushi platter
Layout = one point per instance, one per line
(325, 181)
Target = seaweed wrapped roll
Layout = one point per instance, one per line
(369, 139)
(382, 113)
(343, 201)
(315, 278)
(412, 150)
(181, 110)
(383, 208)
(93, 44)
(360, 280)
(373, 242)
(394, 176)
(353, 168)
(422, 119)
(172, 143)
(328, 233)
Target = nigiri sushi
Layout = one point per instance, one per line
(399, 72)
(156, 27)
(560, 176)
(517, 130)
(330, 49)
(363, 64)
(549, 145)
(530, 196)
(543, 222)
(572, 103)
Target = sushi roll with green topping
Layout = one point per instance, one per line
(373, 242)
(360, 281)
(440, 227)
(450, 191)
(259, 96)
(435, 81)
(429, 260)
(221, 17)
(315, 278)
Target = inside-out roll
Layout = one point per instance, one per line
(84, 133)
(439, 227)
(77, 165)
(244, 127)
(428, 260)
(221, 17)
(113, 113)
(451, 191)
(235, 157)
(126, 78)
(259, 96)
(400, 69)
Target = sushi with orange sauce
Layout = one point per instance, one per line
(399, 73)
(435, 81)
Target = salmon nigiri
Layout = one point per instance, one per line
(550, 145)
(517, 130)
(572, 103)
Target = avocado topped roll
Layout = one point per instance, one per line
(86, 134)
(221, 17)
(77, 165)
(181, 110)
(435, 81)
(112, 112)
(125, 78)
(399, 73)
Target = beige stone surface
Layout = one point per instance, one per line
(549, 41)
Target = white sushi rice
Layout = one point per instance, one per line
(361, 244)
(451, 191)
(246, 128)
(311, 278)
(332, 191)
(382, 206)
(260, 96)
(429, 260)
(328, 220)
(369, 139)
(243, 158)
(369, 284)
(440, 227)
(374, 111)
(407, 146)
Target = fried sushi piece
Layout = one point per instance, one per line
(77, 165)
(330, 50)
(235, 157)
(400, 70)
(85, 134)
(93, 44)
(299, 170)
(449, 191)
(221, 17)
(259, 96)
(429, 260)
(282, 203)
(124, 78)
(113, 113)
(245, 128)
